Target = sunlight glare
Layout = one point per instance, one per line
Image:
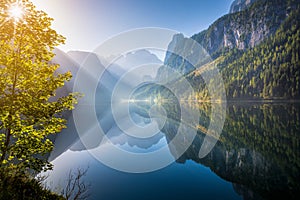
(16, 12)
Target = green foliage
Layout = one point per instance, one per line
(258, 147)
(262, 16)
(15, 186)
(269, 70)
(30, 112)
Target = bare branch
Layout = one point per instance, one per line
(76, 188)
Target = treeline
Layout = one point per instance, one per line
(270, 70)
(258, 148)
(263, 17)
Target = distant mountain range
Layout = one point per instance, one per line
(255, 47)
(76, 61)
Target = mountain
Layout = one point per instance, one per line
(66, 64)
(268, 71)
(85, 63)
(256, 50)
(68, 137)
(181, 52)
(240, 5)
(247, 28)
(79, 56)
(260, 164)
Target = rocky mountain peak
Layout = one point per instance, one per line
(239, 5)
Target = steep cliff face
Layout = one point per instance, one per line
(257, 20)
(181, 50)
(240, 5)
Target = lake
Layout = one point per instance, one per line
(255, 157)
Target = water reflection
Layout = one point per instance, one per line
(258, 151)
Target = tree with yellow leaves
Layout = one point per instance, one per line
(29, 110)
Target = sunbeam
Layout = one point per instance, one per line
(16, 11)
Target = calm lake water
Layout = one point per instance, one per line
(256, 157)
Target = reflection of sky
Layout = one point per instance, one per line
(88, 23)
(177, 181)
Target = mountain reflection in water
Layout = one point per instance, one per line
(258, 152)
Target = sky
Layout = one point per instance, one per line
(88, 23)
